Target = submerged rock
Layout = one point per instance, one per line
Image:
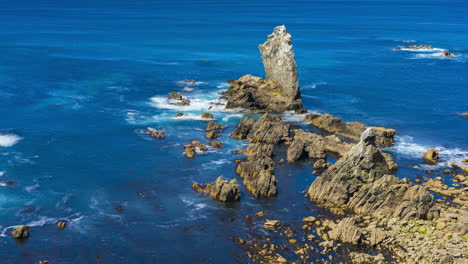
(280, 91)
(360, 181)
(221, 189)
(61, 224)
(257, 170)
(214, 129)
(20, 232)
(353, 131)
(271, 224)
(216, 144)
(431, 155)
(267, 129)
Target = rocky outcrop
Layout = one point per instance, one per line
(174, 96)
(221, 189)
(214, 129)
(257, 170)
(267, 129)
(206, 115)
(331, 143)
(20, 232)
(347, 231)
(280, 91)
(216, 144)
(360, 181)
(178, 97)
(307, 146)
(159, 134)
(190, 149)
(353, 131)
(431, 156)
(279, 62)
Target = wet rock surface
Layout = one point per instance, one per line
(352, 131)
(431, 156)
(221, 189)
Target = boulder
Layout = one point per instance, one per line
(159, 134)
(20, 232)
(271, 224)
(206, 115)
(190, 151)
(199, 146)
(183, 102)
(175, 96)
(360, 180)
(216, 144)
(448, 54)
(431, 156)
(352, 131)
(61, 224)
(221, 189)
(267, 129)
(214, 129)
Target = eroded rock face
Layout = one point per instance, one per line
(258, 170)
(347, 231)
(357, 180)
(280, 91)
(214, 129)
(221, 189)
(307, 146)
(353, 131)
(279, 62)
(431, 155)
(267, 129)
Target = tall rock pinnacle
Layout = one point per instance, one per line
(279, 63)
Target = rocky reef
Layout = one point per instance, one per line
(280, 90)
(360, 180)
(352, 131)
(214, 129)
(221, 189)
(257, 170)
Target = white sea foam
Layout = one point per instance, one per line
(293, 117)
(42, 221)
(2, 173)
(405, 145)
(228, 117)
(8, 140)
(313, 85)
(196, 104)
(190, 116)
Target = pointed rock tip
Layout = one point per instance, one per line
(368, 136)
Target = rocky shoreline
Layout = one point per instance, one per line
(372, 215)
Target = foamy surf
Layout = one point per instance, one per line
(405, 146)
(8, 140)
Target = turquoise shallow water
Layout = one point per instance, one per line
(80, 79)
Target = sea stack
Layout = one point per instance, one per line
(279, 62)
(280, 91)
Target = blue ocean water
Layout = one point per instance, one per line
(79, 80)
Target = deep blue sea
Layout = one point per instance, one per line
(79, 80)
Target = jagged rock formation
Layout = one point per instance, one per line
(347, 231)
(190, 149)
(159, 134)
(178, 97)
(221, 189)
(360, 181)
(279, 62)
(353, 131)
(267, 129)
(280, 90)
(307, 145)
(258, 170)
(331, 143)
(214, 129)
